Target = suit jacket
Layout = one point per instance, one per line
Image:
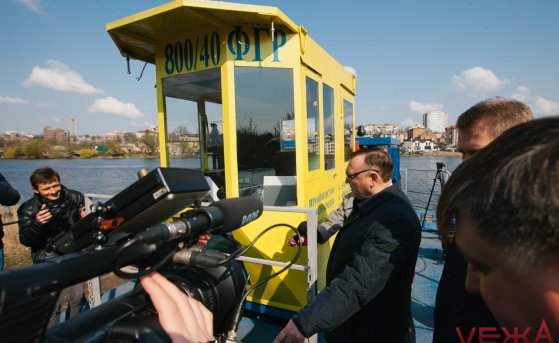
(369, 274)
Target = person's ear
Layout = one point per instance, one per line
(35, 190)
(374, 177)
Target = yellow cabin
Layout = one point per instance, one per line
(246, 95)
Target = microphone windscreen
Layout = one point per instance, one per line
(302, 228)
(238, 212)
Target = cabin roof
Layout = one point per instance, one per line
(138, 35)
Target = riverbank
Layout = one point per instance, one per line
(15, 255)
(73, 157)
(431, 153)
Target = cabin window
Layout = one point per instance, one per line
(329, 141)
(349, 138)
(194, 126)
(265, 126)
(313, 140)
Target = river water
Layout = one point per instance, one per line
(418, 179)
(110, 176)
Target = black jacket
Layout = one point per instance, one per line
(8, 197)
(65, 211)
(456, 308)
(369, 275)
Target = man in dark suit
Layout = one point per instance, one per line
(371, 265)
(455, 309)
(506, 203)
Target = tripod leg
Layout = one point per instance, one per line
(430, 196)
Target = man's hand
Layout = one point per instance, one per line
(290, 334)
(183, 318)
(43, 216)
(294, 241)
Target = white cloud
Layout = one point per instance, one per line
(521, 93)
(477, 80)
(33, 5)
(114, 106)
(424, 108)
(409, 123)
(13, 100)
(60, 77)
(545, 107)
(538, 104)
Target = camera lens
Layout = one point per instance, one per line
(219, 288)
(55, 210)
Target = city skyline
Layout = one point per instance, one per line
(409, 58)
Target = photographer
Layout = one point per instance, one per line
(50, 212)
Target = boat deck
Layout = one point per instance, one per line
(428, 271)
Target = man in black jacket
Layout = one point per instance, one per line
(371, 265)
(506, 203)
(50, 212)
(8, 197)
(455, 309)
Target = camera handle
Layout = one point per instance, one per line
(101, 225)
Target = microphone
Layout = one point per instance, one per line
(238, 212)
(221, 217)
(302, 228)
(322, 235)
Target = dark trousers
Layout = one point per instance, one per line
(75, 299)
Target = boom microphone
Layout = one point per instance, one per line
(222, 217)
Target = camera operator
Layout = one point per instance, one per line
(185, 319)
(50, 212)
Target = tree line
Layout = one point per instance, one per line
(37, 148)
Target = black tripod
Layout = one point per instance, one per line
(441, 176)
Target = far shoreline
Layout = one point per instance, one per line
(402, 154)
(431, 153)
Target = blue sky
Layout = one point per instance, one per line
(58, 62)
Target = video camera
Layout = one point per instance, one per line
(128, 230)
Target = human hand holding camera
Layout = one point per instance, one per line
(184, 319)
(43, 216)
